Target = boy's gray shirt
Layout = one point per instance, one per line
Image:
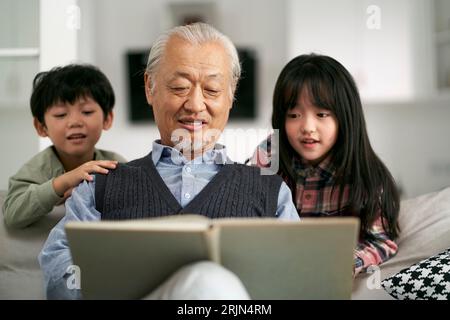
(30, 191)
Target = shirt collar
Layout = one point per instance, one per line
(96, 154)
(217, 155)
(304, 169)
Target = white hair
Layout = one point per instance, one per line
(196, 33)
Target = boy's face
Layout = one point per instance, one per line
(75, 128)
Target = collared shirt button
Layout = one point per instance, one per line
(187, 195)
(188, 169)
(308, 196)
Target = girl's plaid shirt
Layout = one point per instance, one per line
(313, 197)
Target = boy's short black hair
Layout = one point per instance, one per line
(68, 84)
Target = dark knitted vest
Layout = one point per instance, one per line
(136, 190)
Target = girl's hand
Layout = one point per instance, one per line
(64, 183)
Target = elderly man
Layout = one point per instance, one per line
(190, 81)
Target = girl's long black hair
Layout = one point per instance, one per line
(330, 86)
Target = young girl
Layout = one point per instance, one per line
(325, 155)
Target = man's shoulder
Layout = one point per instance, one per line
(128, 167)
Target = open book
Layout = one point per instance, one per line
(275, 259)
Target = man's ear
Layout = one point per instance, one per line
(148, 91)
(107, 123)
(41, 129)
(233, 97)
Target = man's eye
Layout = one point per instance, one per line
(212, 92)
(88, 112)
(179, 89)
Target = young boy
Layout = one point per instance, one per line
(71, 105)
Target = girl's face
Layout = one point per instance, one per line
(312, 131)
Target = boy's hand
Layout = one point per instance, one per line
(71, 179)
(67, 194)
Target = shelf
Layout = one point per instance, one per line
(18, 52)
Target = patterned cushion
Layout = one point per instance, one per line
(428, 279)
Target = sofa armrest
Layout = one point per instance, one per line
(424, 232)
(20, 274)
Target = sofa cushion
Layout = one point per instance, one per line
(424, 232)
(428, 279)
(20, 274)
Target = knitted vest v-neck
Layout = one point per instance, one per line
(136, 190)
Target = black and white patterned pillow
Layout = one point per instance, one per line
(428, 279)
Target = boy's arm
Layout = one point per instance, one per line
(30, 196)
(29, 199)
(376, 250)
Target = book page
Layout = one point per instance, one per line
(129, 259)
(306, 259)
(250, 221)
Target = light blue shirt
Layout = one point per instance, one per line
(184, 178)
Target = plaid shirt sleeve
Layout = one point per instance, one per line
(375, 251)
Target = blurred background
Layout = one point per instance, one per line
(397, 51)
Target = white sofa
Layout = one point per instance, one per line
(424, 223)
(20, 274)
(425, 231)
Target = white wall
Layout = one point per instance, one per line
(381, 59)
(413, 141)
(18, 142)
(19, 21)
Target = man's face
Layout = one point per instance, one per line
(192, 91)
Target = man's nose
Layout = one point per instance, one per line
(195, 101)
